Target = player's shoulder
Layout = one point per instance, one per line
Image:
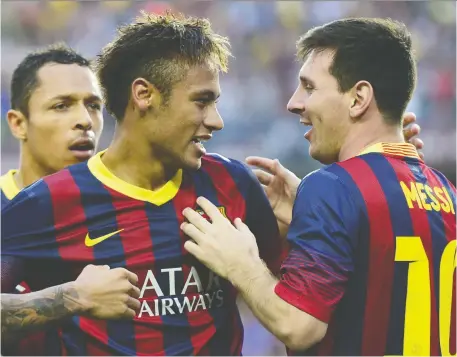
(321, 179)
(234, 167)
(40, 190)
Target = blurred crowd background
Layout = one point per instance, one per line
(262, 76)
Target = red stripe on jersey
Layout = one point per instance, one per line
(201, 322)
(231, 198)
(69, 217)
(138, 253)
(421, 228)
(69, 212)
(96, 329)
(381, 267)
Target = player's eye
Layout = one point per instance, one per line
(204, 101)
(95, 106)
(309, 87)
(60, 106)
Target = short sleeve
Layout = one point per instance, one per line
(262, 222)
(323, 235)
(27, 224)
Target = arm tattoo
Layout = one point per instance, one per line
(23, 313)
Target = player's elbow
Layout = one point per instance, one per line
(302, 332)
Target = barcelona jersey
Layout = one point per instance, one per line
(37, 343)
(86, 215)
(8, 188)
(373, 245)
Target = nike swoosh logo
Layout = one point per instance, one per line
(91, 242)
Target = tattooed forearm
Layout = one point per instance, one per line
(23, 313)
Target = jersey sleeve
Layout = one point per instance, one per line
(28, 225)
(322, 238)
(262, 222)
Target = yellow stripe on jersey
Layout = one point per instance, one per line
(399, 149)
(8, 185)
(157, 197)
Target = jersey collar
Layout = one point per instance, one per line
(397, 149)
(157, 197)
(8, 185)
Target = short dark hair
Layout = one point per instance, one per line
(25, 79)
(159, 48)
(375, 50)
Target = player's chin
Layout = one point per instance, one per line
(192, 162)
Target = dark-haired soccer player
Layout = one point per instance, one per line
(371, 270)
(123, 208)
(56, 115)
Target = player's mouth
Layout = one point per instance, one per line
(308, 133)
(83, 148)
(198, 143)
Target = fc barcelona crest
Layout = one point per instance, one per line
(204, 215)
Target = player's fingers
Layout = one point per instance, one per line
(193, 232)
(409, 118)
(134, 291)
(210, 209)
(133, 303)
(263, 177)
(418, 143)
(196, 219)
(131, 277)
(129, 313)
(421, 155)
(411, 131)
(194, 249)
(262, 162)
(239, 224)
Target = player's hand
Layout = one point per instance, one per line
(219, 245)
(108, 293)
(410, 131)
(280, 185)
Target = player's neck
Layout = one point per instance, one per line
(29, 171)
(367, 134)
(135, 162)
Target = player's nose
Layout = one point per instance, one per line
(83, 119)
(214, 120)
(296, 103)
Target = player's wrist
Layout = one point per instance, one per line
(250, 270)
(75, 299)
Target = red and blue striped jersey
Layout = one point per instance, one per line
(86, 215)
(37, 343)
(373, 244)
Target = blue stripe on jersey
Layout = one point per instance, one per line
(35, 237)
(349, 341)
(167, 250)
(74, 338)
(401, 226)
(437, 231)
(4, 199)
(101, 214)
(221, 341)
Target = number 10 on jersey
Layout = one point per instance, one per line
(418, 297)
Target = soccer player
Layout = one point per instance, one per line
(160, 79)
(373, 234)
(56, 115)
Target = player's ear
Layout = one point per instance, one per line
(145, 95)
(17, 123)
(360, 99)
